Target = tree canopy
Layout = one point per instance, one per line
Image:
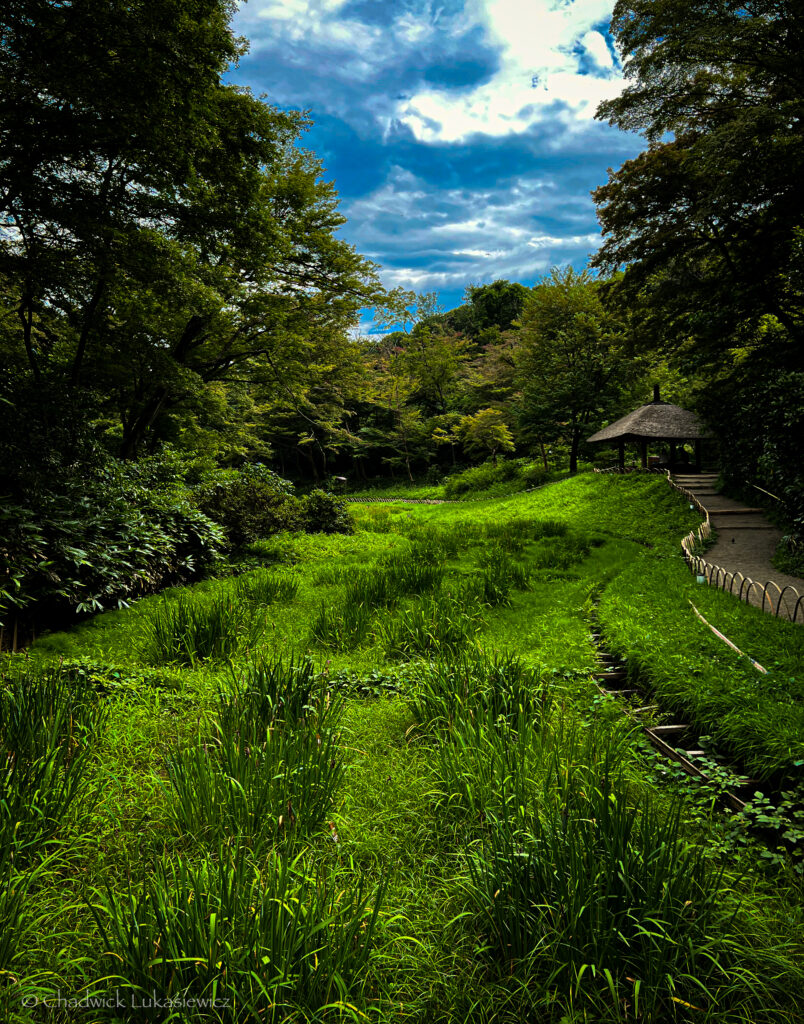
(163, 230)
(707, 221)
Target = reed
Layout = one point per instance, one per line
(266, 943)
(186, 629)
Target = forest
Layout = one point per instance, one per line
(274, 750)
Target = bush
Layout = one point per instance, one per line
(250, 505)
(322, 512)
(97, 543)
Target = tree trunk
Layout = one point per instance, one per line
(576, 438)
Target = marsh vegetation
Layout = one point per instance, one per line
(373, 780)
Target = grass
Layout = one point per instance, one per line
(418, 813)
(759, 719)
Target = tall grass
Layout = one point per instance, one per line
(264, 587)
(281, 784)
(436, 625)
(499, 575)
(186, 629)
(342, 628)
(419, 572)
(48, 732)
(477, 684)
(272, 766)
(263, 944)
(591, 890)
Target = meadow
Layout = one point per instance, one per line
(370, 777)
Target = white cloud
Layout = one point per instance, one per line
(540, 43)
(427, 243)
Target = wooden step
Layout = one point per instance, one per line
(648, 707)
(667, 730)
(610, 676)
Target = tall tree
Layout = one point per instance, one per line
(571, 364)
(707, 221)
(163, 232)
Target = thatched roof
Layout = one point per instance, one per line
(659, 421)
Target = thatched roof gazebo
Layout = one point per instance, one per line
(656, 421)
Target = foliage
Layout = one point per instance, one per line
(276, 939)
(182, 630)
(485, 431)
(707, 218)
(571, 364)
(505, 476)
(598, 892)
(325, 513)
(48, 729)
(647, 619)
(198, 242)
(99, 542)
(270, 767)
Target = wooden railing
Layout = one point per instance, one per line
(768, 596)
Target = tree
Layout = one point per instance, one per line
(164, 233)
(486, 431)
(707, 220)
(571, 364)
(497, 305)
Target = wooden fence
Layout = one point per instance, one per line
(785, 601)
(768, 596)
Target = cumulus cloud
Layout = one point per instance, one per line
(460, 132)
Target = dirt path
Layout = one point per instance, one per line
(745, 543)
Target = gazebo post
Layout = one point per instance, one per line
(672, 455)
(622, 455)
(697, 455)
(643, 444)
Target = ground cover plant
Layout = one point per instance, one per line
(399, 797)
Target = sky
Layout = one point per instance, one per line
(460, 134)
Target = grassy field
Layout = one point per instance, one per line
(370, 778)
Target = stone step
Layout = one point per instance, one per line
(726, 528)
(735, 511)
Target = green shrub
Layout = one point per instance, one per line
(250, 505)
(99, 544)
(325, 513)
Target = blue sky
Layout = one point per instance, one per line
(459, 134)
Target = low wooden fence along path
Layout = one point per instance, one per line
(745, 545)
